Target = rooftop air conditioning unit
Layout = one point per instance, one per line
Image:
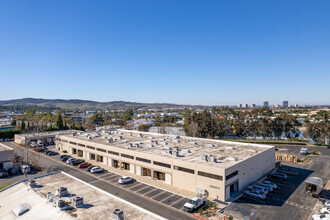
(117, 214)
(77, 201)
(32, 183)
(193, 143)
(89, 138)
(62, 191)
(210, 145)
(120, 137)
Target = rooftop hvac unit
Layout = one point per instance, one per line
(59, 203)
(77, 201)
(231, 158)
(177, 137)
(62, 191)
(229, 148)
(212, 159)
(140, 135)
(204, 157)
(117, 214)
(120, 137)
(137, 145)
(170, 151)
(32, 183)
(50, 196)
(74, 134)
(89, 138)
(210, 145)
(193, 142)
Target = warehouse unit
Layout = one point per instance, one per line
(48, 136)
(219, 168)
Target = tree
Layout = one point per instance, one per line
(144, 128)
(59, 121)
(127, 116)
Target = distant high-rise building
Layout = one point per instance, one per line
(245, 105)
(239, 105)
(253, 105)
(285, 104)
(266, 103)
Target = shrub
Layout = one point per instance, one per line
(314, 152)
(144, 128)
(200, 211)
(230, 217)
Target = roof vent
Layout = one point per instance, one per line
(140, 135)
(117, 214)
(193, 142)
(20, 209)
(120, 137)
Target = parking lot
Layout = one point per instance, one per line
(289, 201)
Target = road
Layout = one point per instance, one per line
(152, 203)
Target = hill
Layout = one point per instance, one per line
(86, 104)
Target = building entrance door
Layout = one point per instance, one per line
(115, 163)
(125, 166)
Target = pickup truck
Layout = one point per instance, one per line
(194, 203)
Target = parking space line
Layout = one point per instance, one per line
(172, 195)
(143, 188)
(161, 193)
(133, 185)
(177, 201)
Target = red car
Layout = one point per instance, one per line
(84, 164)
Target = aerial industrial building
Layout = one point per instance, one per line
(218, 168)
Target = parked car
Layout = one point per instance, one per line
(52, 153)
(258, 188)
(13, 170)
(255, 194)
(278, 175)
(270, 183)
(125, 179)
(63, 155)
(3, 173)
(84, 165)
(327, 202)
(64, 159)
(77, 162)
(46, 143)
(71, 160)
(268, 187)
(90, 167)
(325, 210)
(97, 170)
(25, 168)
(303, 151)
(47, 152)
(194, 203)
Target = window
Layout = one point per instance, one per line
(143, 160)
(74, 143)
(81, 145)
(184, 169)
(231, 175)
(90, 147)
(162, 164)
(100, 149)
(65, 141)
(127, 156)
(113, 152)
(209, 175)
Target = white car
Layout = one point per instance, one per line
(303, 151)
(70, 160)
(321, 217)
(327, 203)
(325, 210)
(125, 179)
(270, 183)
(97, 170)
(269, 187)
(258, 188)
(255, 194)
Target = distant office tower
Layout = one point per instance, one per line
(266, 104)
(245, 105)
(253, 105)
(285, 104)
(239, 105)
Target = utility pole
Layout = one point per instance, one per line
(324, 130)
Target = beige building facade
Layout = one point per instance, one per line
(219, 168)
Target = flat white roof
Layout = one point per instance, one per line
(97, 205)
(190, 149)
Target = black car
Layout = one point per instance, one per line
(3, 173)
(278, 175)
(89, 168)
(77, 162)
(64, 159)
(62, 156)
(47, 152)
(52, 153)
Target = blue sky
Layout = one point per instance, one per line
(189, 52)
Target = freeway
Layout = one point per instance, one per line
(53, 164)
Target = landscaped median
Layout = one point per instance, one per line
(269, 142)
(4, 186)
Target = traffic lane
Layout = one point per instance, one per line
(295, 149)
(162, 210)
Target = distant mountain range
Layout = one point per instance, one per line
(88, 105)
